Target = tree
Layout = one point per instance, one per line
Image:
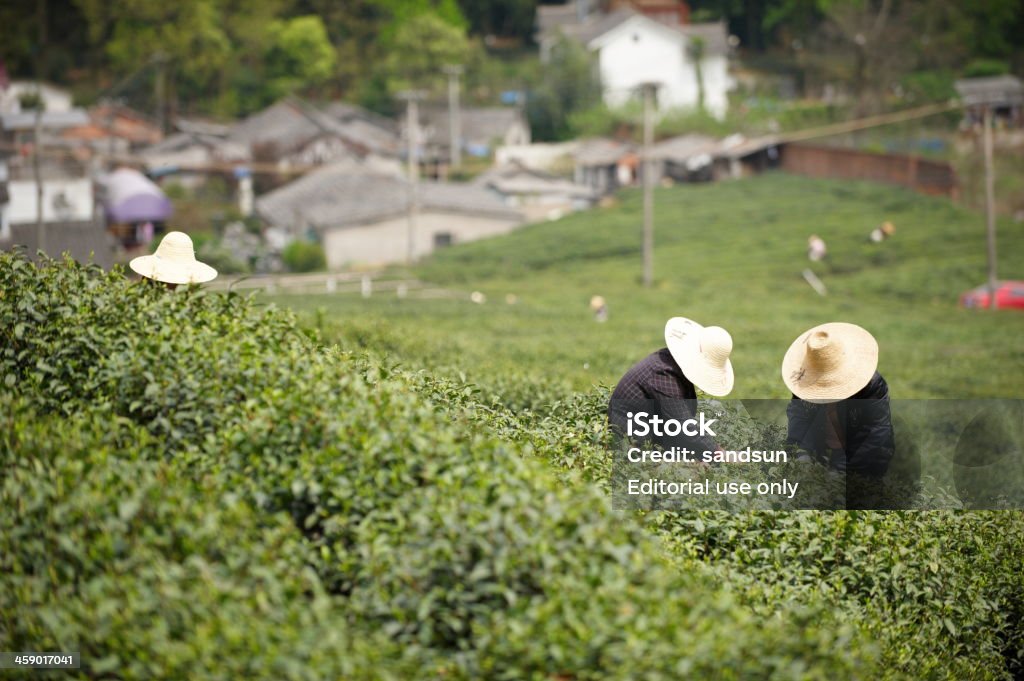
(569, 84)
(510, 18)
(190, 34)
(421, 46)
(299, 56)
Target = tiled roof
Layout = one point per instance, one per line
(353, 193)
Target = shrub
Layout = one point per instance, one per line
(468, 555)
(149, 574)
(304, 256)
(981, 68)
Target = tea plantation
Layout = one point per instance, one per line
(729, 254)
(196, 485)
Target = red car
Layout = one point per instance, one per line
(1009, 294)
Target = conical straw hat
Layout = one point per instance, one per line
(702, 353)
(830, 362)
(174, 262)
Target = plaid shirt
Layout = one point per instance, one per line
(655, 377)
(657, 385)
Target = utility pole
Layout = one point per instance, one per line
(990, 206)
(38, 176)
(160, 87)
(412, 118)
(648, 180)
(454, 116)
(41, 55)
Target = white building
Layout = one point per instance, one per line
(55, 99)
(630, 49)
(359, 211)
(68, 209)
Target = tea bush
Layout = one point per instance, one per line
(422, 526)
(941, 592)
(149, 574)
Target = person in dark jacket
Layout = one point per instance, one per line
(664, 383)
(839, 412)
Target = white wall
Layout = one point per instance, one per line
(55, 99)
(78, 198)
(717, 84)
(387, 241)
(640, 51)
(635, 53)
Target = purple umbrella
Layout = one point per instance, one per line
(132, 197)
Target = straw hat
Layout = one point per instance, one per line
(702, 353)
(830, 362)
(174, 262)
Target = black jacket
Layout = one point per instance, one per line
(656, 385)
(865, 422)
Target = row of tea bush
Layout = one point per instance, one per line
(193, 488)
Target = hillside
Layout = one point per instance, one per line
(194, 487)
(731, 254)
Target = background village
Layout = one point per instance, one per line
(309, 182)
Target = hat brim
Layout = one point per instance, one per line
(682, 337)
(152, 267)
(858, 364)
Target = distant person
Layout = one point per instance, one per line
(666, 380)
(816, 249)
(173, 263)
(839, 411)
(880, 234)
(600, 309)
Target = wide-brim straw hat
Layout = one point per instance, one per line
(174, 262)
(702, 353)
(830, 362)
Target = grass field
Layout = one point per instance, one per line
(730, 254)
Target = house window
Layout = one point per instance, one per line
(442, 239)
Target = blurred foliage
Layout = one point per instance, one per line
(566, 85)
(751, 116)
(304, 256)
(228, 58)
(299, 55)
(421, 47)
(980, 68)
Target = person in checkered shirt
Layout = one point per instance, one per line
(666, 381)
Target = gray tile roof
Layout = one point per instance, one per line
(515, 178)
(291, 123)
(996, 90)
(596, 26)
(601, 152)
(179, 141)
(715, 35)
(52, 120)
(197, 126)
(353, 193)
(282, 124)
(681, 148)
(480, 125)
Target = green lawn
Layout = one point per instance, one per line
(729, 253)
